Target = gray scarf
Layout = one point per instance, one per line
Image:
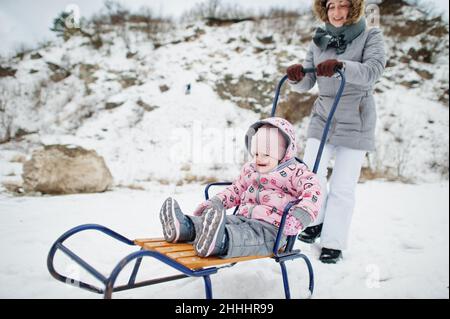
(338, 38)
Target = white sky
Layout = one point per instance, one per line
(28, 21)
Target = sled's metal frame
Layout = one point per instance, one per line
(109, 282)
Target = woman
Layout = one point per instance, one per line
(345, 43)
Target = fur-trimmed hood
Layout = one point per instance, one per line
(356, 10)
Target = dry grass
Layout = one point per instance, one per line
(369, 174)
(13, 187)
(296, 107)
(163, 181)
(132, 186)
(18, 159)
(203, 180)
(246, 93)
(256, 95)
(185, 168)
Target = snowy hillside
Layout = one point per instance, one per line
(126, 98)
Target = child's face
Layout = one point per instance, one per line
(265, 163)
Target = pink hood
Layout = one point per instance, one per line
(285, 128)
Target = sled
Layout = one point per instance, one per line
(181, 257)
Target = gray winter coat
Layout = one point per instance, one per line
(355, 119)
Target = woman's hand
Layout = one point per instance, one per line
(295, 72)
(328, 68)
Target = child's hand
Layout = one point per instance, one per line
(213, 202)
(202, 207)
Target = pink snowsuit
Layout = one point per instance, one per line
(264, 196)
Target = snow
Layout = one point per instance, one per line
(398, 246)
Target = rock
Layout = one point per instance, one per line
(61, 169)
(145, 106)
(410, 84)
(86, 73)
(7, 71)
(23, 132)
(246, 92)
(266, 40)
(59, 75)
(218, 22)
(35, 56)
(127, 81)
(443, 98)
(113, 105)
(54, 67)
(131, 55)
(164, 88)
(295, 107)
(421, 55)
(390, 63)
(424, 74)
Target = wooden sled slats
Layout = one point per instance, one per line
(184, 254)
(196, 262)
(171, 249)
(141, 242)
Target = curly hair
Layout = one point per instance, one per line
(357, 8)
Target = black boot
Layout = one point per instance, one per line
(330, 256)
(310, 234)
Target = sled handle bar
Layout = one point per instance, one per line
(330, 116)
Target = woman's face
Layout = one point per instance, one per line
(338, 12)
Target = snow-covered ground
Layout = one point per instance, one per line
(399, 246)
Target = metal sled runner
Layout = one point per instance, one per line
(181, 257)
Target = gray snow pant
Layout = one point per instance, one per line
(246, 237)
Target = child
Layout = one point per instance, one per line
(263, 189)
